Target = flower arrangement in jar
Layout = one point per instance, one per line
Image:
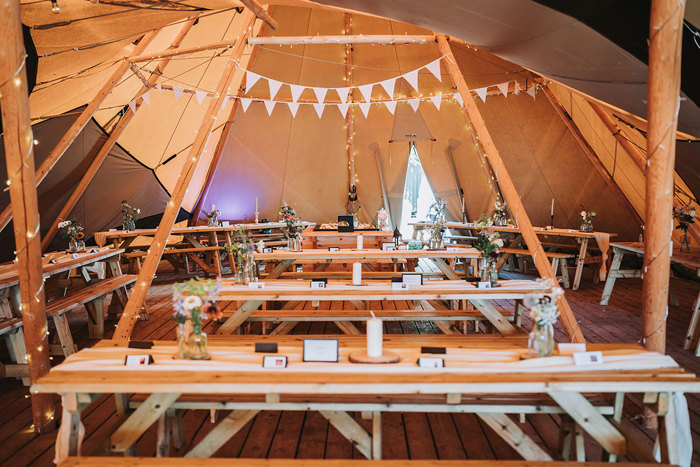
(587, 220)
(74, 233)
(685, 215)
(489, 244)
(437, 214)
(544, 313)
(213, 216)
(129, 216)
(289, 217)
(500, 213)
(382, 219)
(194, 301)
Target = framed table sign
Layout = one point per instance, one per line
(320, 350)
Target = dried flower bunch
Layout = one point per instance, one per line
(685, 215)
(71, 230)
(437, 212)
(500, 211)
(543, 308)
(129, 215)
(488, 242)
(587, 216)
(214, 212)
(195, 300)
(289, 217)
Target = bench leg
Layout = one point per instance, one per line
(96, 323)
(691, 337)
(565, 280)
(177, 428)
(64, 335)
(612, 275)
(164, 430)
(15, 341)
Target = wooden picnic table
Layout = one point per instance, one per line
(583, 238)
(688, 259)
(482, 374)
(316, 238)
(286, 258)
(297, 290)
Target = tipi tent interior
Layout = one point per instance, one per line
(152, 147)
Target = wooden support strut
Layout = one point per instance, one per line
(138, 295)
(19, 158)
(260, 12)
(111, 141)
(510, 194)
(665, 36)
(342, 39)
(79, 123)
(179, 51)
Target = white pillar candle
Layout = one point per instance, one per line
(374, 337)
(356, 273)
(360, 242)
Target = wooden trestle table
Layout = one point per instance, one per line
(583, 238)
(297, 290)
(482, 374)
(689, 259)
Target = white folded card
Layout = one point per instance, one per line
(112, 230)
(399, 286)
(256, 285)
(570, 349)
(431, 362)
(588, 358)
(483, 285)
(225, 224)
(274, 361)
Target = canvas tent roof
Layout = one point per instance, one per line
(303, 159)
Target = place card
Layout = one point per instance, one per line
(94, 250)
(431, 362)
(483, 285)
(74, 256)
(225, 224)
(412, 278)
(333, 248)
(299, 268)
(53, 261)
(388, 246)
(274, 361)
(112, 230)
(267, 249)
(452, 248)
(399, 286)
(256, 285)
(319, 283)
(138, 360)
(320, 350)
(588, 358)
(570, 349)
(433, 350)
(266, 347)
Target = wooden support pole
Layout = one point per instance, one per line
(80, 123)
(260, 12)
(342, 39)
(510, 194)
(349, 118)
(112, 140)
(374, 147)
(453, 143)
(252, 53)
(665, 36)
(170, 52)
(592, 156)
(138, 294)
(19, 158)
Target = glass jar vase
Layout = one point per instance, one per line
(73, 244)
(182, 342)
(484, 268)
(128, 225)
(685, 242)
(294, 242)
(436, 242)
(586, 227)
(213, 221)
(540, 343)
(197, 345)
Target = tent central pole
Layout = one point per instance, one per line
(474, 119)
(349, 119)
(665, 36)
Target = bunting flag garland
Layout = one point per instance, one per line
(389, 85)
(414, 104)
(132, 106)
(146, 98)
(320, 94)
(250, 79)
(434, 68)
(245, 102)
(412, 78)
(343, 109)
(296, 91)
(517, 88)
(437, 100)
(293, 107)
(391, 105)
(366, 91)
(343, 94)
(269, 105)
(532, 91)
(177, 90)
(481, 92)
(459, 99)
(200, 96)
(503, 87)
(274, 87)
(159, 87)
(319, 108)
(364, 106)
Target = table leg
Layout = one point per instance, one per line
(691, 337)
(239, 317)
(580, 262)
(280, 268)
(612, 276)
(353, 431)
(70, 434)
(494, 317)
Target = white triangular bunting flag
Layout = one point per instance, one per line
(293, 107)
(434, 68)
(274, 87)
(517, 88)
(269, 105)
(459, 99)
(319, 109)
(343, 94)
(412, 78)
(296, 91)
(177, 90)
(531, 91)
(481, 92)
(159, 87)
(503, 87)
(245, 102)
(250, 79)
(132, 106)
(200, 96)
(366, 91)
(391, 105)
(437, 100)
(344, 109)
(389, 86)
(414, 104)
(146, 98)
(364, 106)
(320, 94)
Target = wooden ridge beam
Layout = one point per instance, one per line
(79, 123)
(19, 159)
(665, 36)
(138, 294)
(111, 141)
(474, 119)
(260, 12)
(343, 39)
(592, 156)
(228, 126)
(170, 52)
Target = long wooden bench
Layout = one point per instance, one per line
(287, 319)
(559, 261)
(11, 330)
(92, 296)
(188, 253)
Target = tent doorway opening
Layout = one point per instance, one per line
(417, 194)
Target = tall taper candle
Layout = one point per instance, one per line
(374, 337)
(356, 273)
(551, 213)
(256, 204)
(360, 242)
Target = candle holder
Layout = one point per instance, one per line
(256, 217)
(360, 356)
